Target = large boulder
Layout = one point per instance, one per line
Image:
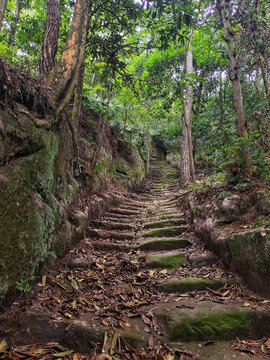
(232, 208)
(249, 255)
(262, 199)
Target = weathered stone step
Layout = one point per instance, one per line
(120, 211)
(168, 260)
(163, 244)
(107, 246)
(164, 223)
(110, 225)
(131, 207)
(205, 320)
(104, 234)
(189, 284)
(134, 203)
(165, 215)
(118, 216)
(117, 219)
(165, 232)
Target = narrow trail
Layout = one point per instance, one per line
(142, 286)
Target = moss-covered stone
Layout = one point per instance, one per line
(163, 223)
(189, 284)
(135, 336)
(249, 254)
(169, 260)
(165, 232)
(29, 211)
(213, 326)
(163, 244)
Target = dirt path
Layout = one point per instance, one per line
(139, 286)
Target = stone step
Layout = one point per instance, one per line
(190, 320)
(189, 284)
(104, 234)
(167, 260)
(131, 207)
(164, 223)
(110, 225)
(165, 232)
(118, 219)
(107, 246)
(120, 211)
(159, 244)
(118, 216)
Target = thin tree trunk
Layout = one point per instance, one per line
(3, 5)
(50, 39)
(77, 108)
(14, 24)
(265, 82)
(187, 170)
(223, 9)
(63, 77)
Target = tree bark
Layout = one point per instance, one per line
(3, 5)
(187, 170)
(15, 22)
(223, 10)
(265, 81)
(63, 78)
(50, 39)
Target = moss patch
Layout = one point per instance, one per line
(169, 231)
(168, 260)
(164, 244)
(190, 284)
(163, 223)
(213, 326)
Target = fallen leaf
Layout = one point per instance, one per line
(264, 348)
(267, 342)
(3, 346)
(164, 271)
(74, 304)
(68, 315)
(43, 281)
(246, 304)
(63, 354)
(74, 285)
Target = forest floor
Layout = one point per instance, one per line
(138, 286)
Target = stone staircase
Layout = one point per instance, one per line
(141, 272)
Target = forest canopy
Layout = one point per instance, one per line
(191, 76)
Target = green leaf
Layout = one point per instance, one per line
(63, 354)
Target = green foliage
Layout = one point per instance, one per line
(24, 284)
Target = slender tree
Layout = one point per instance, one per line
(224, 8)
(3, 5)
(50, 39)
(187, 170)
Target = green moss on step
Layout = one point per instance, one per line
(170, 231)
(190, 284)
(145, 198)
(162, 224)
(213, 326)
(164, 244)
(166, 261)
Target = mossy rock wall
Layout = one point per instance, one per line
(37, 187)
(249, 253)
(30, 206)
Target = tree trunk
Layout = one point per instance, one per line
(64, 76)
(187, 170)
(265, 81)
(50, 40)
(15, 22)
(77, 107)
(223, 9)
(3, 5)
